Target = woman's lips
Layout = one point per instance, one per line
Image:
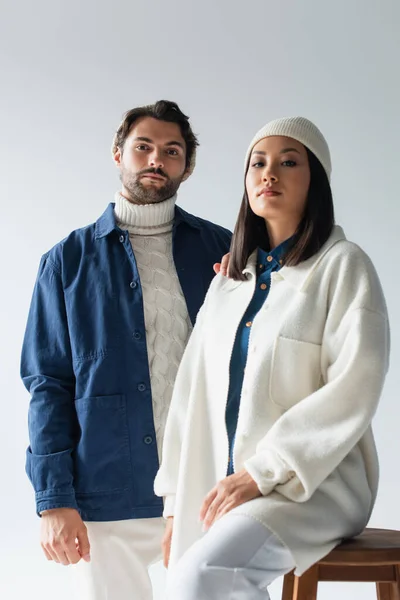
(269, 193)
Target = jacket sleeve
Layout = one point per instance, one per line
(308, 442)
(166, 481)
(47, 373)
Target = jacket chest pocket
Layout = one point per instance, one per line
(295, 371)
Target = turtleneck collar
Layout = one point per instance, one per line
(145, 219)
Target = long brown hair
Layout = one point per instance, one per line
(314, 228)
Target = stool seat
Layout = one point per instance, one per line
(371, 547)
(372, 556)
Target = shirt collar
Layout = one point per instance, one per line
(272, 259)
(107, 222)
(300, 275)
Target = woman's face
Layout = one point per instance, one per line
(278, 180)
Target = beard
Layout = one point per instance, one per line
(142, 194)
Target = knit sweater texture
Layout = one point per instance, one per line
(166, 316)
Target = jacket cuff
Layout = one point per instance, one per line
(49, 472)
(169, 506)
(51, 499)
(268, 470)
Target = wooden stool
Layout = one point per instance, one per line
(372, 556)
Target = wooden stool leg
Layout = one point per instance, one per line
(389, 591)
(306, 586)
(288, 586)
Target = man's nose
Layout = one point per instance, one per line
(156, 160)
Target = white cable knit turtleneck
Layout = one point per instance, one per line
(167, 320)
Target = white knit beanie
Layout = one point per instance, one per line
(300, 129)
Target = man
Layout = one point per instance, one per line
(112, 310)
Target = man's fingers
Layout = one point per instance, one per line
(84, 545)
(47, 553)
(72, 553)
(52, 552)
(60, 556)
(64, 560)
(225, 264)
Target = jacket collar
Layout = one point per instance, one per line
(107, 223)
(300, 275)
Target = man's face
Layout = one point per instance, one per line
(152, 162)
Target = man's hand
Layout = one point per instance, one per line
(223, 266)
(226, 495)
(64, 537)
(166, 541)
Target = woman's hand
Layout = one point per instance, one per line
(166, 541)
(228, 493)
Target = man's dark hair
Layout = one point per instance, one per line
(313, 231)
(163, 110)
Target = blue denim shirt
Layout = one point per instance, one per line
(84, 362)
(267, 262)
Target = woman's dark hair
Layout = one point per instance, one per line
(314, 228)
(163, 110)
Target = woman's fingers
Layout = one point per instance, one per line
(229, 493)
(212, 511)
(166, 550)
(206, 504)
(166, 541)
(224, 508)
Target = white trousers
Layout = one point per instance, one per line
(236, 560)
(121, 553)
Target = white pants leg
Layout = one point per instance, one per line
(236, 560)
(121, 552)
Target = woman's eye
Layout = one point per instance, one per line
(257, 165)
(289, 163)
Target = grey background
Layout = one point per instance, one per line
(68, 70)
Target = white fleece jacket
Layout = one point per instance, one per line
(318, 356)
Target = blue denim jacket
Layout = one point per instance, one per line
(84, 362)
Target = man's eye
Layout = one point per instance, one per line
(142, 147)
(172, 152)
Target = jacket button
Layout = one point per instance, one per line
(121, 239)
(141, 387)
(137, 335)
(148, 440)
(133, 284)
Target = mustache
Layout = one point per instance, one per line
(154, 172)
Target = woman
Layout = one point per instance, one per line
(268, 446)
